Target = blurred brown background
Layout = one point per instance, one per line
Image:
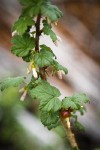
(79, 51)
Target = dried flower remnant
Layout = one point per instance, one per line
(60, 74)
(34, 72)
(14, 33)
(23, 95)
(58, 40)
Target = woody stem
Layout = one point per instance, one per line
(69, 133)
(38, 33)
(37, 25)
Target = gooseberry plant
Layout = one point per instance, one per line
(36, 19)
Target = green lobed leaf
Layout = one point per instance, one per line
(33, 9)
(43, 46)
(33, 83)
(47, 29)
(28, 57)
(80, 98)
(58, 67)
(44, 91)
(50, 119)
(43, 58)
(68, 103)
(22, 45)
(15, 81)
(22, 24)
(51, 11)
(48, 96)
(53, 104)
(75, 101)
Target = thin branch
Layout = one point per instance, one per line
(65, 122)
(69, 133)
(38, 33)
(37, 25)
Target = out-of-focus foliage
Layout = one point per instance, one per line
(11, 82)
(11, 132)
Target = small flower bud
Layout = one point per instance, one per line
(23, 95)
(82, 106)
(56, 23)
(60, 73)
(29, 69)
(58, 40)
(35, 73)
(14, 33)
(48, 20)
(21, 90)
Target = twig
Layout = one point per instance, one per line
(38, 33)
(69, 133)
(37, 25)
(65, 122)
